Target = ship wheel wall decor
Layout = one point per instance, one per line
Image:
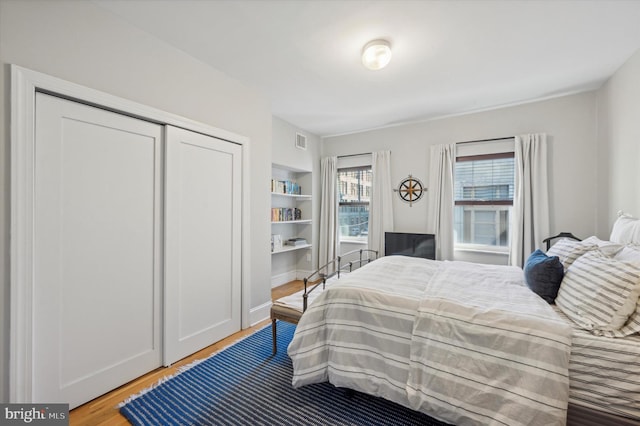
(410, 190)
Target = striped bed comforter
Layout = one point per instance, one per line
(466, 344)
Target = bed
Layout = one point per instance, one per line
(466, 344)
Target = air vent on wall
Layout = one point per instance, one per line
(301, 141)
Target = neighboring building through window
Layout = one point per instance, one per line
(483, 194)
(354, 186)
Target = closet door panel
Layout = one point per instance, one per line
(202, 242)
(96, 250)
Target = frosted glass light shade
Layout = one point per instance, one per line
(376, 54)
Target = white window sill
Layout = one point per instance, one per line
(349, 241)
(504, 251)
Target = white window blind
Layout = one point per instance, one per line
(483, 194)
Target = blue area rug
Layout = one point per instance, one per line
(245, 385)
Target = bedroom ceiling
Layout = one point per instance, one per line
(449, 57)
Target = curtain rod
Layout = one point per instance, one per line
(354, 155)
(485, 140)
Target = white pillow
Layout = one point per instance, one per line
(626, 230)
(629, 253)
(631, 326)
(569, 250)
(600, 293)
(607, 247)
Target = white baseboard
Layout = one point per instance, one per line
(301, 275)
(289, 276)
(260, 313)
(284, 278)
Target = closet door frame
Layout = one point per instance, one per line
(24, 85)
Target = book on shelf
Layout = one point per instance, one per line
(284, 214)
(285, 187)
(296, 242)
(276, 242)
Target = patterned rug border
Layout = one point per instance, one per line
(184, 368)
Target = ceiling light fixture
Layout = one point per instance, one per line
(376, 54)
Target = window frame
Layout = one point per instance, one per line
(352, 239)
(486, 248)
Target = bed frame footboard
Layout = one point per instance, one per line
(319, 277)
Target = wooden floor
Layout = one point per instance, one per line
(104, 411)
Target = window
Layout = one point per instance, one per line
(354, 185)
(483, 194)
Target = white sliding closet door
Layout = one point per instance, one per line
(203, 241)
(97, 246)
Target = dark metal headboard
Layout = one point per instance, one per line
(560, 235)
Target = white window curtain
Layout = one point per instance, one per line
(530, 220)
(440, 197)
(328, 238)
(381, 203)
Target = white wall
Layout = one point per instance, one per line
(285, 153)
(619, 145)
(568, 121)
(284, 150)
(82, 43)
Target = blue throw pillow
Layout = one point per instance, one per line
(543, 275)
